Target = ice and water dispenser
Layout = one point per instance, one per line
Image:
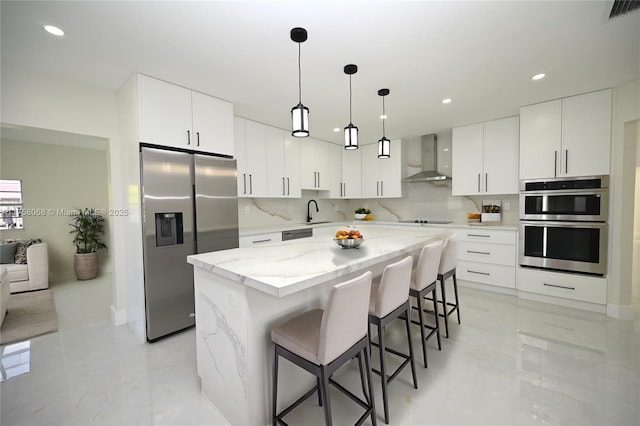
(169, 229)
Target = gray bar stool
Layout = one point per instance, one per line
(390, 300)
(323, 341)
(446, 270)
(424, 281)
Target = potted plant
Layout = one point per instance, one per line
(88, 229)
(361, 213)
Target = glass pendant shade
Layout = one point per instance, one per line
(384, 148)
(300, 121)
(351, 137)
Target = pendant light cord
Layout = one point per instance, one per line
(299, 77)
(350, 96)
(384, 119)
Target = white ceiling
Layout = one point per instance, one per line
(480, 54)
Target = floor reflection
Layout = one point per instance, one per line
(16, 360)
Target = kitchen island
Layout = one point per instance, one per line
(242, 293)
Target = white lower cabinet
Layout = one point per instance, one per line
(568, 286)
(254, 240)
(487, 256)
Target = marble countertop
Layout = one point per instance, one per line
(284, 268)
(287, 227)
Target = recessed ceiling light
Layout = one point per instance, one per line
(53, 30)
(538, 76)
(446, 101)
(336, 129)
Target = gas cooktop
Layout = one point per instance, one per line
(434, 222)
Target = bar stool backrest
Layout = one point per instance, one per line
(428, 264)
(345, 317)
(449, 259)
(394, 287)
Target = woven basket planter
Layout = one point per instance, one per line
(86, 265)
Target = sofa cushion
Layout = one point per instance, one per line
(21, 250)
(7, 252)
(17, 272)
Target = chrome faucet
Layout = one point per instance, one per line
(309, 205)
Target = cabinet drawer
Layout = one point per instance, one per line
(568, 286)
(258, 239)
(486, 236)
(498, 254)
(498, 275)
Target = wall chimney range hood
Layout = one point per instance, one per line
(429, 173)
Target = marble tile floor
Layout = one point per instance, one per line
(511, 362)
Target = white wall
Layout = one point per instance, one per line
(40, 101)
(626, 109)
(59, 178)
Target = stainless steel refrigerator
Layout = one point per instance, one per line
(189, 205)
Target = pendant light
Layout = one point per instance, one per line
(384, 144)
(299, 113)
(351, 131)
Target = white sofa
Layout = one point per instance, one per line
(34, 275)
(4, 293)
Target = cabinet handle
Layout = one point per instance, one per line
(261, 241)
(315, 179)
(382, 188)
(197, 138)
(479, 273)
(478, 182)
(283, 188)
(188, 137)
(486, 182)
(378, 188)
(250, 184)
(478, 252)
(559, 286)
(566, 161)
(244, 183)
(318, 179)
(478, 235)
(555, 163)
(288, 187)
(344, 191)
(341, 192)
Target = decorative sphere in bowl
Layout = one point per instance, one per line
(349, 242)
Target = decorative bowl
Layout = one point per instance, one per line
(349, 242)
(360, 216)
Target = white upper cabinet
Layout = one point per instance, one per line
(566, 137)
(351, 183)
(283, 164)
(251, 149)
(315, 167)
(212, 124)
(382, 178)
(173, 116)
(485, 158)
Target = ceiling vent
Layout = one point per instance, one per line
(620, 7)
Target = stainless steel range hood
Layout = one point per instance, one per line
(430, 172)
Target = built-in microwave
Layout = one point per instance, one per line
(565, 199)
(564, 246)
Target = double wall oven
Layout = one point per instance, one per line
(563, 224)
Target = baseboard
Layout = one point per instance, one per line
(621, 312)
(118, 317)
(563, 302)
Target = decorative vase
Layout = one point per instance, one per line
(86, 265)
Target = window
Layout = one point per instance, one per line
(11, 204)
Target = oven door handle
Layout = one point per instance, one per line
(563, 224)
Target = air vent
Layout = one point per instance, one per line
(620, 7)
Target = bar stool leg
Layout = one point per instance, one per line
(444, 306)
(319, 394)
(362, 377)
(324, 390)
(421, 319)
(413, 361)
(455, 290)
(435, 315)
(367, 363)
(383, 373)
(275, 387)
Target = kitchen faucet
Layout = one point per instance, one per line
(308, 205)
